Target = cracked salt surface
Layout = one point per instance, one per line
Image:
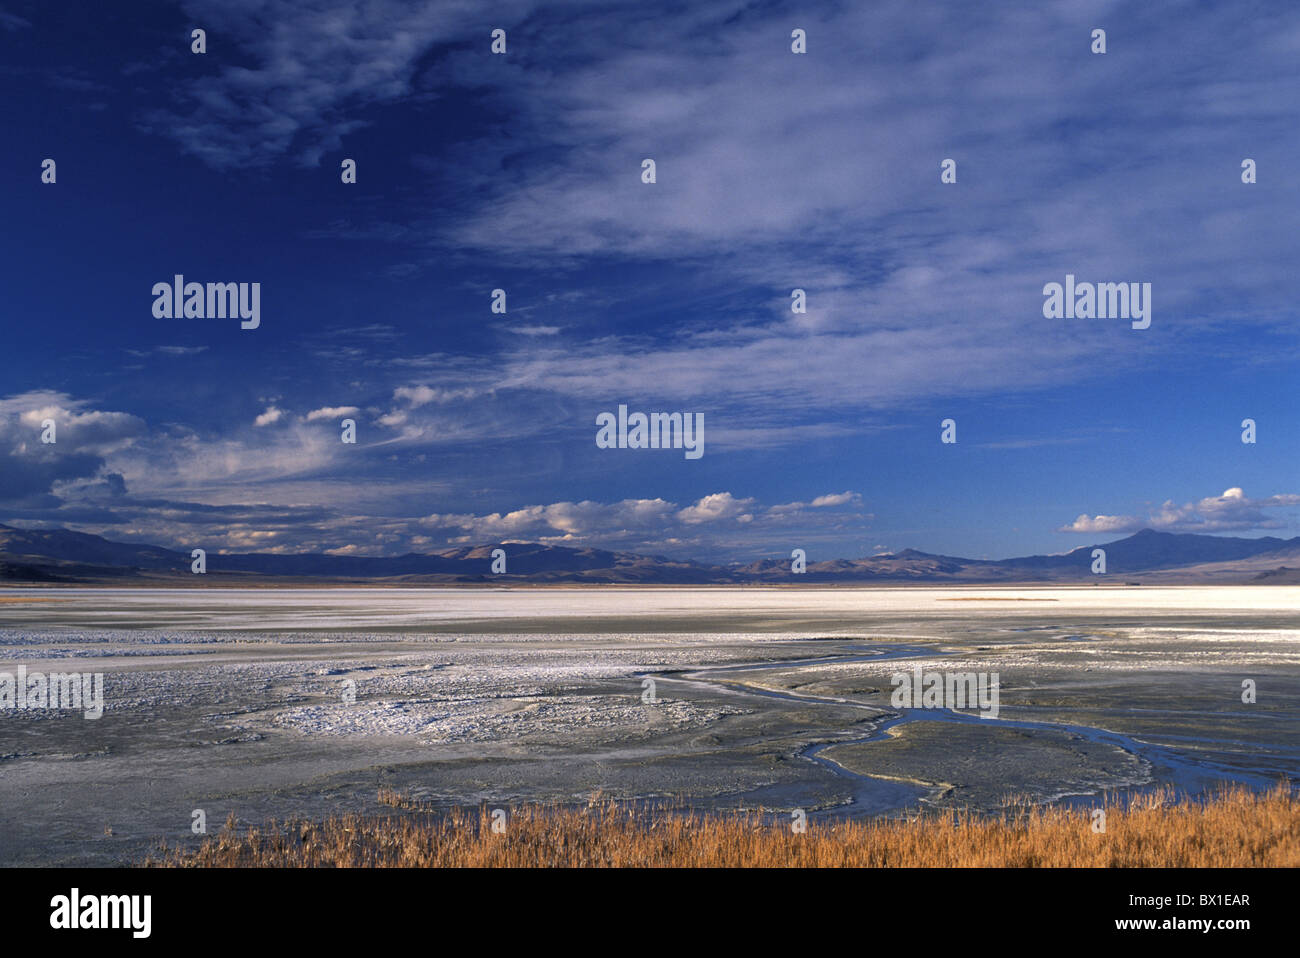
(479, 720)
(498, 689)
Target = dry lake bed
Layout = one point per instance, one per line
(275, 703)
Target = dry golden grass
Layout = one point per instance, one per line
(1238, 828)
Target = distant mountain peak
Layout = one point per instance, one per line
(62, 555)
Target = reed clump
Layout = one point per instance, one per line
(1235, 828)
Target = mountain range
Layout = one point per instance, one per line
(1148, 557)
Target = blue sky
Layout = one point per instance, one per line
(775, 171)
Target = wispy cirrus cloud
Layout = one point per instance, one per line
(11, 21)
(298, 78)
(934, 290)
